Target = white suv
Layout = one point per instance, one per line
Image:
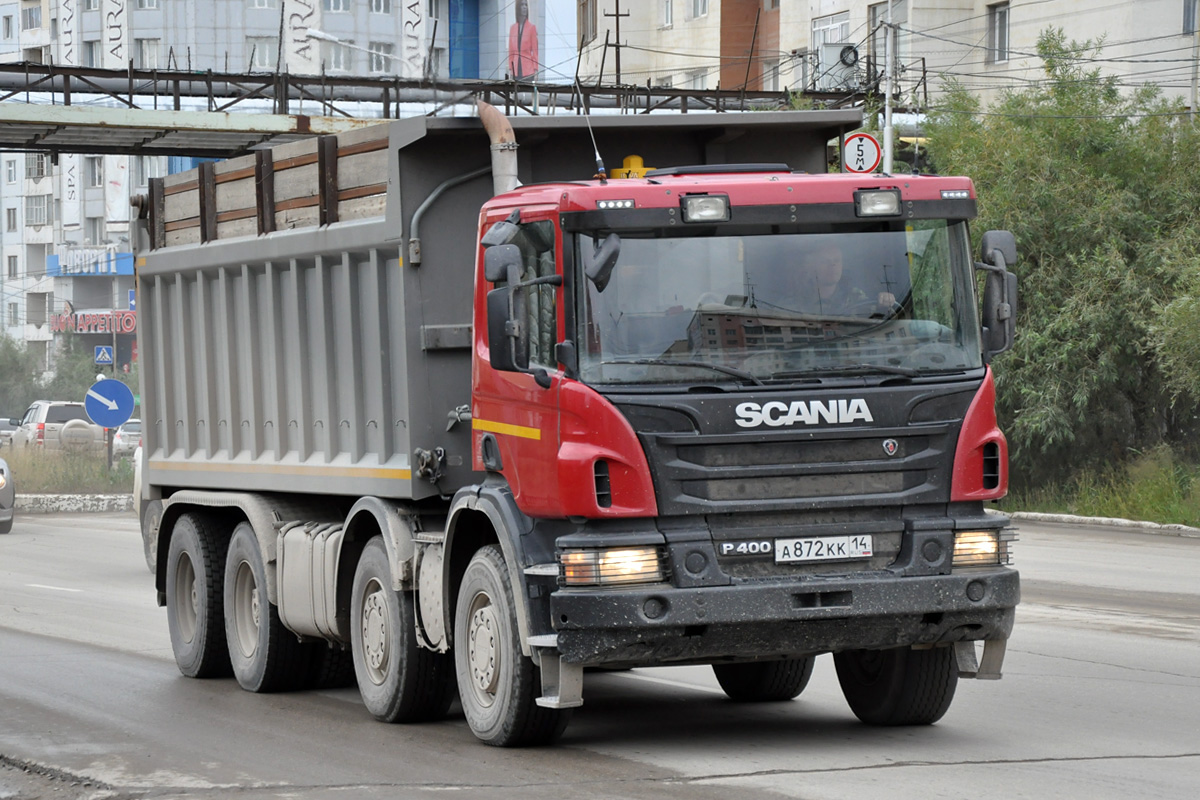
(58, 426)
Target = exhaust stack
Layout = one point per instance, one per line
(504, 148)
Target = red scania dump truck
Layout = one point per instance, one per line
(439, 414)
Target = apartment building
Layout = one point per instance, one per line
(802, 44)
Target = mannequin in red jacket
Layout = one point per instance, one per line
(523, 45)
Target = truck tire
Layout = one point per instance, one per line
(265, 656)
(195, 600)
(331, 667)
(900, 686)
(498, 686)
(399, 681)
(151, 517)
(5, 527)
(764, 681)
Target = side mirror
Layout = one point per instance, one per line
(502, 232)
(502, 263)
(598, 264)
(999, 293)
(508, 333)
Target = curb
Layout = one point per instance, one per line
(1110, 522)
(72, 503)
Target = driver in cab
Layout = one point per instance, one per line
(822, 290)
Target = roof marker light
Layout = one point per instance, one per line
(609, 205)
(956, 194)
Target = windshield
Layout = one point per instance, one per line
(782, 306)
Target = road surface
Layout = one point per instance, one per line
(1099, 700)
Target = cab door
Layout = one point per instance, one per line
(515, 418)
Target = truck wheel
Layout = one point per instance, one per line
(150, 519)
(764, 681)
(900, 686)
(399, 681)
(498, 685)
(195, 607)
(265, 656)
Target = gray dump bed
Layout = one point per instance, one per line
(285, 345)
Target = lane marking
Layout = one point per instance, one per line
(51, 588)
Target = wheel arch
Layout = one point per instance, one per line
(479, 516)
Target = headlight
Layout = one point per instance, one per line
(877, 203)
(983, 548)
(606, 567)
(705, 207)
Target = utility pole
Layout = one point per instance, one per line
(887, 98)
(1195, 55)
(617, 16)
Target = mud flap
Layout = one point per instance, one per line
(562, 683)
(993, 659)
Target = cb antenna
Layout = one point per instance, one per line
(601, 172)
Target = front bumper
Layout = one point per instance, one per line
(658, 623)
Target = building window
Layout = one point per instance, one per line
(10, 171)
(381, 6)
(10, 220)
(262, 51)
(38, 209)
(37, 165)
(12, 314)
(31, 18)
(998, 32)
(832, 29)
(146, 51)
(587, 20)
(338, 56)
(1189, 17)
(8, 26)
(699, 8)
(699, 80)
(335, 5)
(91, 54)
(262, 3)
(93, 170)
(147, 3)
(12, 266)
(771, 76)
(147, 167)
(381, 56)
(91, 5)
(93, 230)
(771, 5)
(668, 13)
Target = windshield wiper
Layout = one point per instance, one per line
(669, 362)
(849, 369)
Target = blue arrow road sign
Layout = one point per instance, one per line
(104, 355)
(132, 300)
(109, 403)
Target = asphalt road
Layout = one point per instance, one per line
(1099, 700)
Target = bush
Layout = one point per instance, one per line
(39, 472)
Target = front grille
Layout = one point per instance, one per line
(804, 486)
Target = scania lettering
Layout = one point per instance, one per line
(776, 414)
(429, 409)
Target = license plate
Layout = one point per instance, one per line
(823, 548)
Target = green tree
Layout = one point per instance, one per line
(1100, 189)
(19, 379)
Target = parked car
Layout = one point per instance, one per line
(8, 494)
(127, 438)
(7, 426)
(56, 425)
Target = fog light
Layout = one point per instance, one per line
(705, 208)
(982, 548)
(611, 566)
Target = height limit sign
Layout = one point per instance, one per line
(861, 153)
